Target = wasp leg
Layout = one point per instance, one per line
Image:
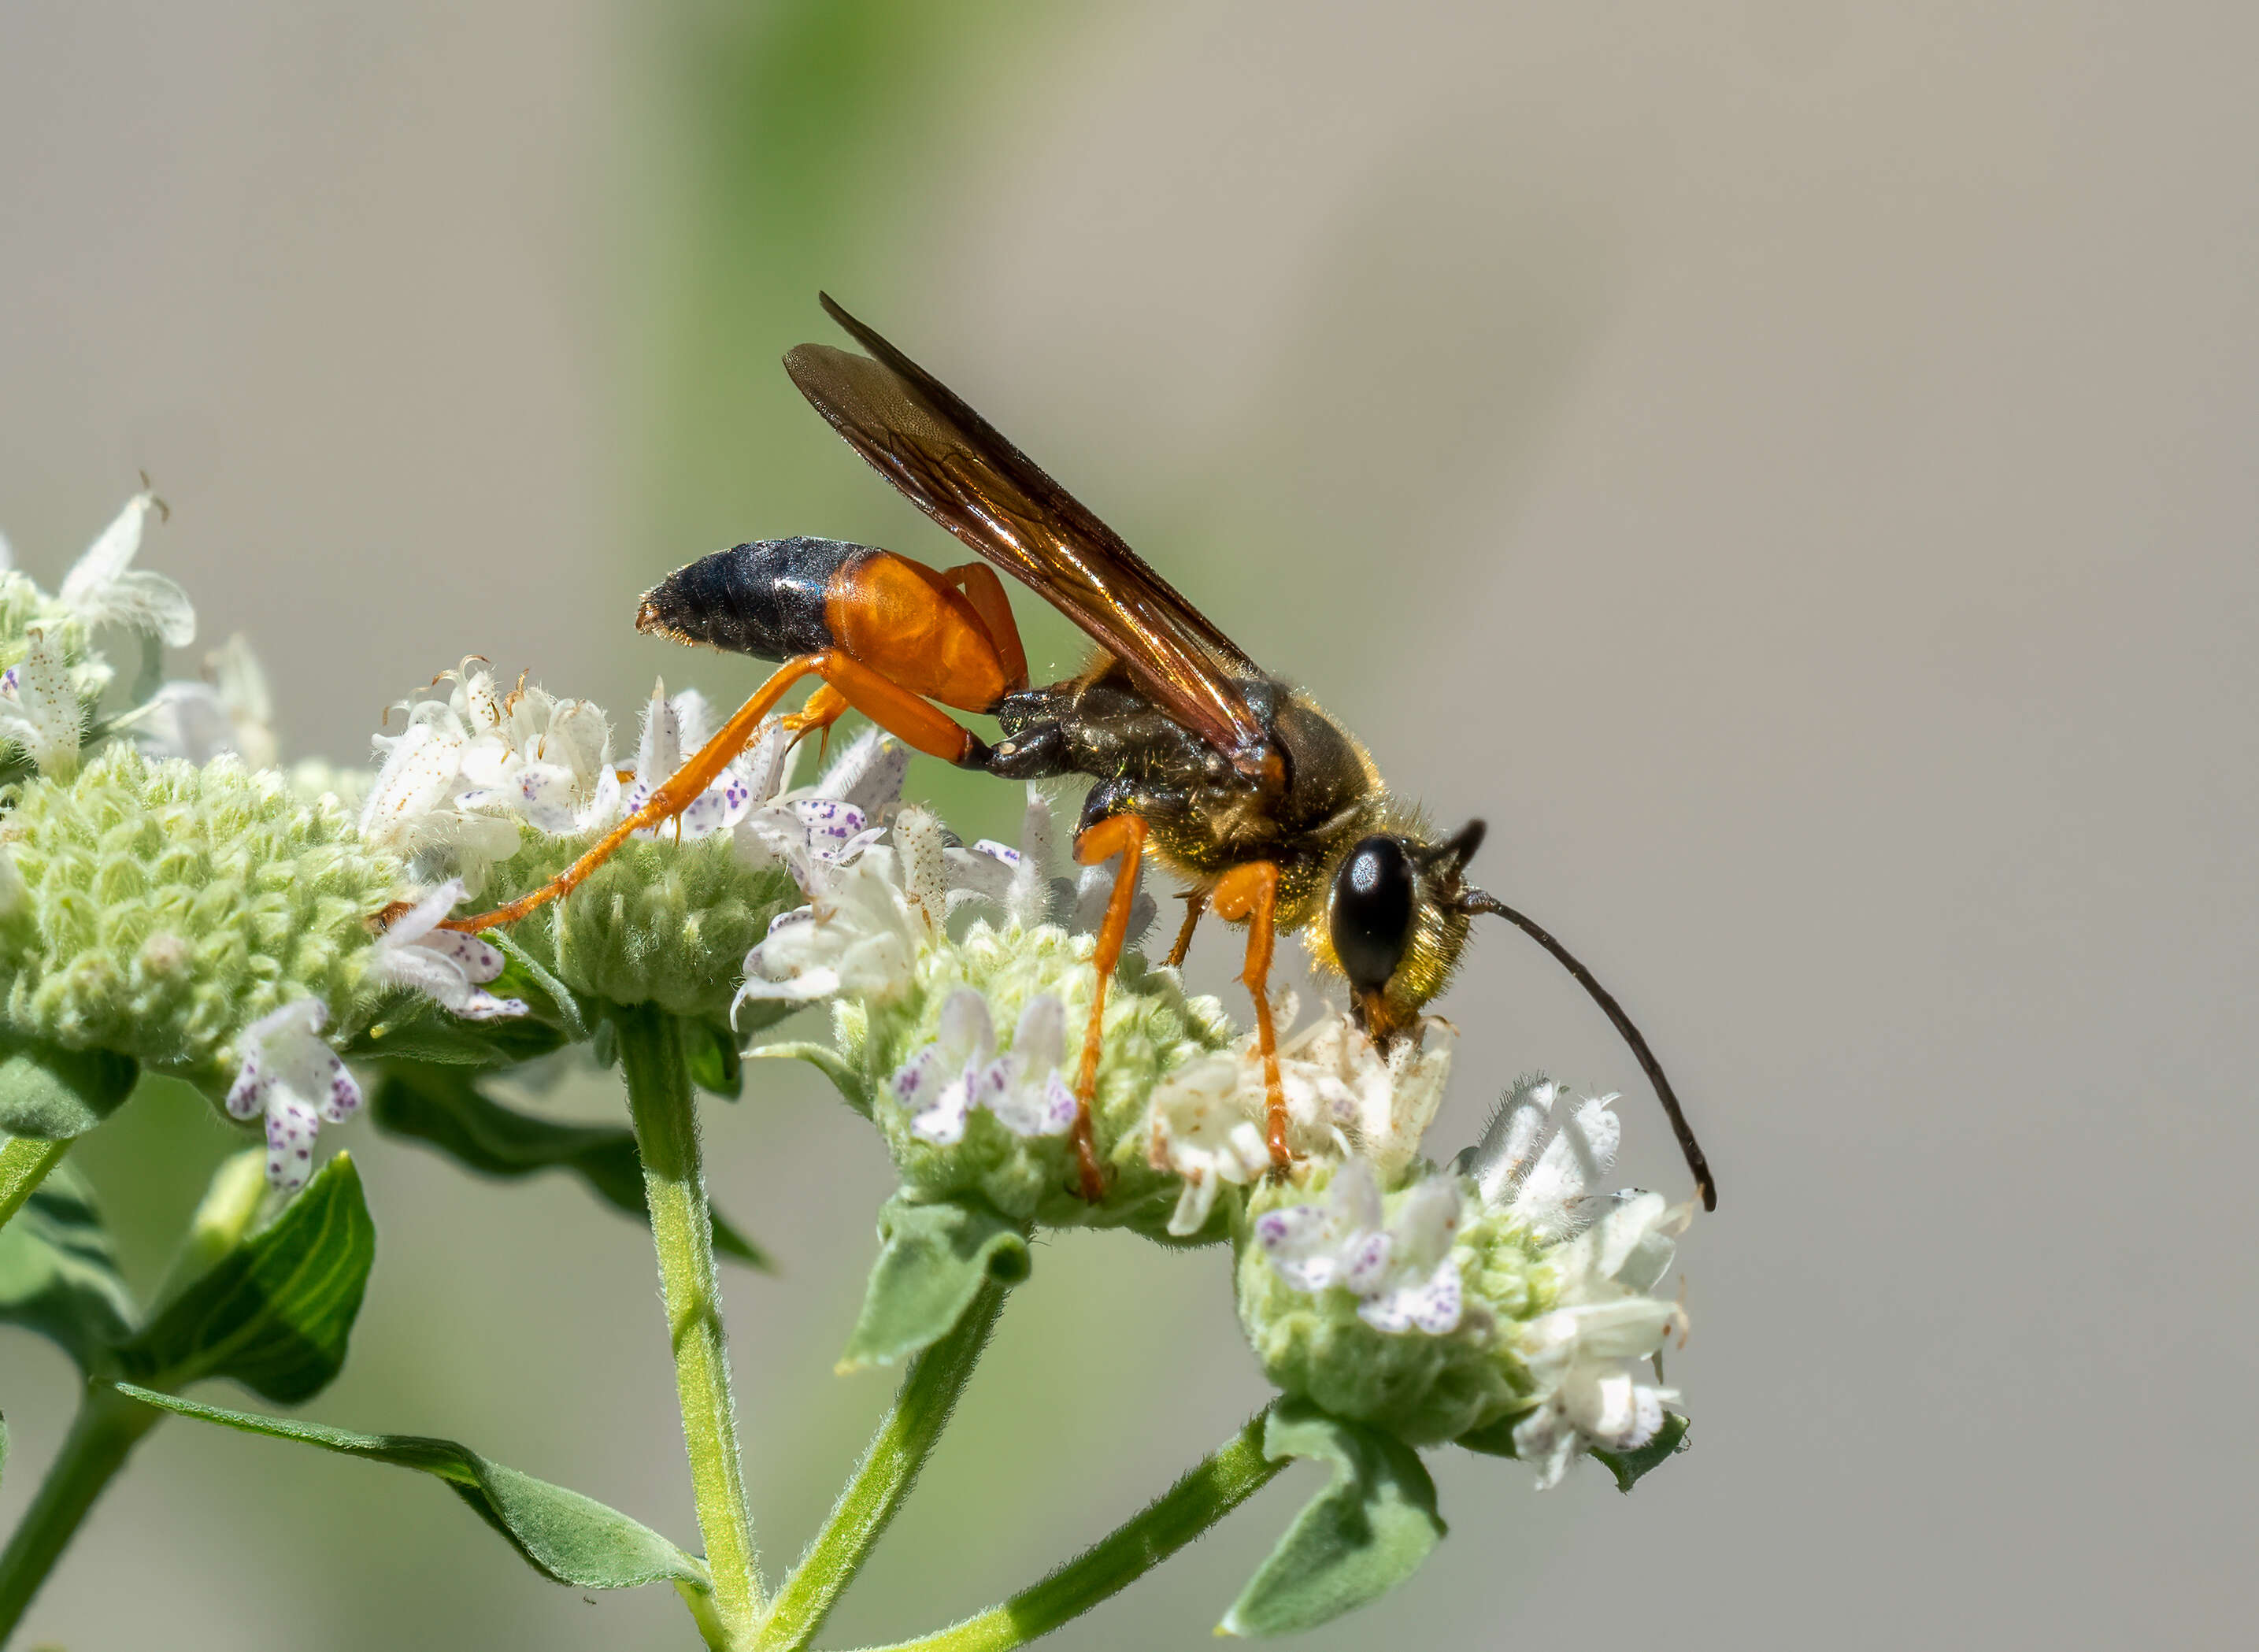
(1252, 892)
(980, 587)
(1195, 903)
(1123, 834)
(823, 707)
(893, 707)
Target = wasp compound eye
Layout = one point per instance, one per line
(1371, 915)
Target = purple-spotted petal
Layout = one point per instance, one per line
(480, 960)
(830, 824)
(291, 1129)
(1433, 1306)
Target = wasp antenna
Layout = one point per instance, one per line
(1480, 900)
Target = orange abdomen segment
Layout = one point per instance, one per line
(898, 618)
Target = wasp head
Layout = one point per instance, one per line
(1395, 920)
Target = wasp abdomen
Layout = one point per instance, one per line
(783, 599)
(767, 598)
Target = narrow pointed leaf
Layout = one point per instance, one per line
(1356, 1540)
(932, 1263)
(566, 1537)
(444, 1107)
(1631, 1467)
(274, 1314)
(53, 1094)
(58, 1276)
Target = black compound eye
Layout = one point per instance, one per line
(1371, 916)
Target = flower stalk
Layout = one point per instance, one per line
(24, 1162)
(103, 1434)
(1218, 1483)
(664, 1111)
(890, 1467)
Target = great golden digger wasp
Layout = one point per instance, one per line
(1223, 775)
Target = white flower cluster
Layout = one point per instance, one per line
(1343, 1098)
(1542, 1160)
(468, 769)
(1401, 1270)
(877, 896)
(45, 693)
(1023, 1088)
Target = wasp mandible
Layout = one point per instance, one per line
(1237, 783)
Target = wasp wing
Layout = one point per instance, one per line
(959, 469)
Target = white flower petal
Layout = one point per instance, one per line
(868, 774)
(40, 709)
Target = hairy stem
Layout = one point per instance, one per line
(104, 1433)
(664, 1113)
(24, 1162)
(890, 1467)
(1220, 1483)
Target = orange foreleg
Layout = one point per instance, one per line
(1123, 834)
(1252, 892)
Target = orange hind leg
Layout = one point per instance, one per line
(887, 703)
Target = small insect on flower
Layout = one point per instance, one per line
(1224, 774)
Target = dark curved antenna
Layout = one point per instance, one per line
(1480, 900)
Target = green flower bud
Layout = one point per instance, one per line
(658, 923)
(1005, 1132)
(1391, 1309)
(157, 909)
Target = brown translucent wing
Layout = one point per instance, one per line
(959, 469)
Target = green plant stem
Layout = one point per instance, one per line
(104, 1433)
(890, 1467)
(23, 1165)
(1220, 1483)
(664, 1113)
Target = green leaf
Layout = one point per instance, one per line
(444, 1107)
(274, 1312)
(525, 979)
(1494, 1439)
(417, 1029)
(57, 1274)
(933, 1261)
(1361, 1536)
(420, 1031)
(53, 1094)
(1630, 1467)
(566, 1537)
(715, 1066)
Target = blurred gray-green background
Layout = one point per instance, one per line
(1790, 465)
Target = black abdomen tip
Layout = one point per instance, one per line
(765, 599)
